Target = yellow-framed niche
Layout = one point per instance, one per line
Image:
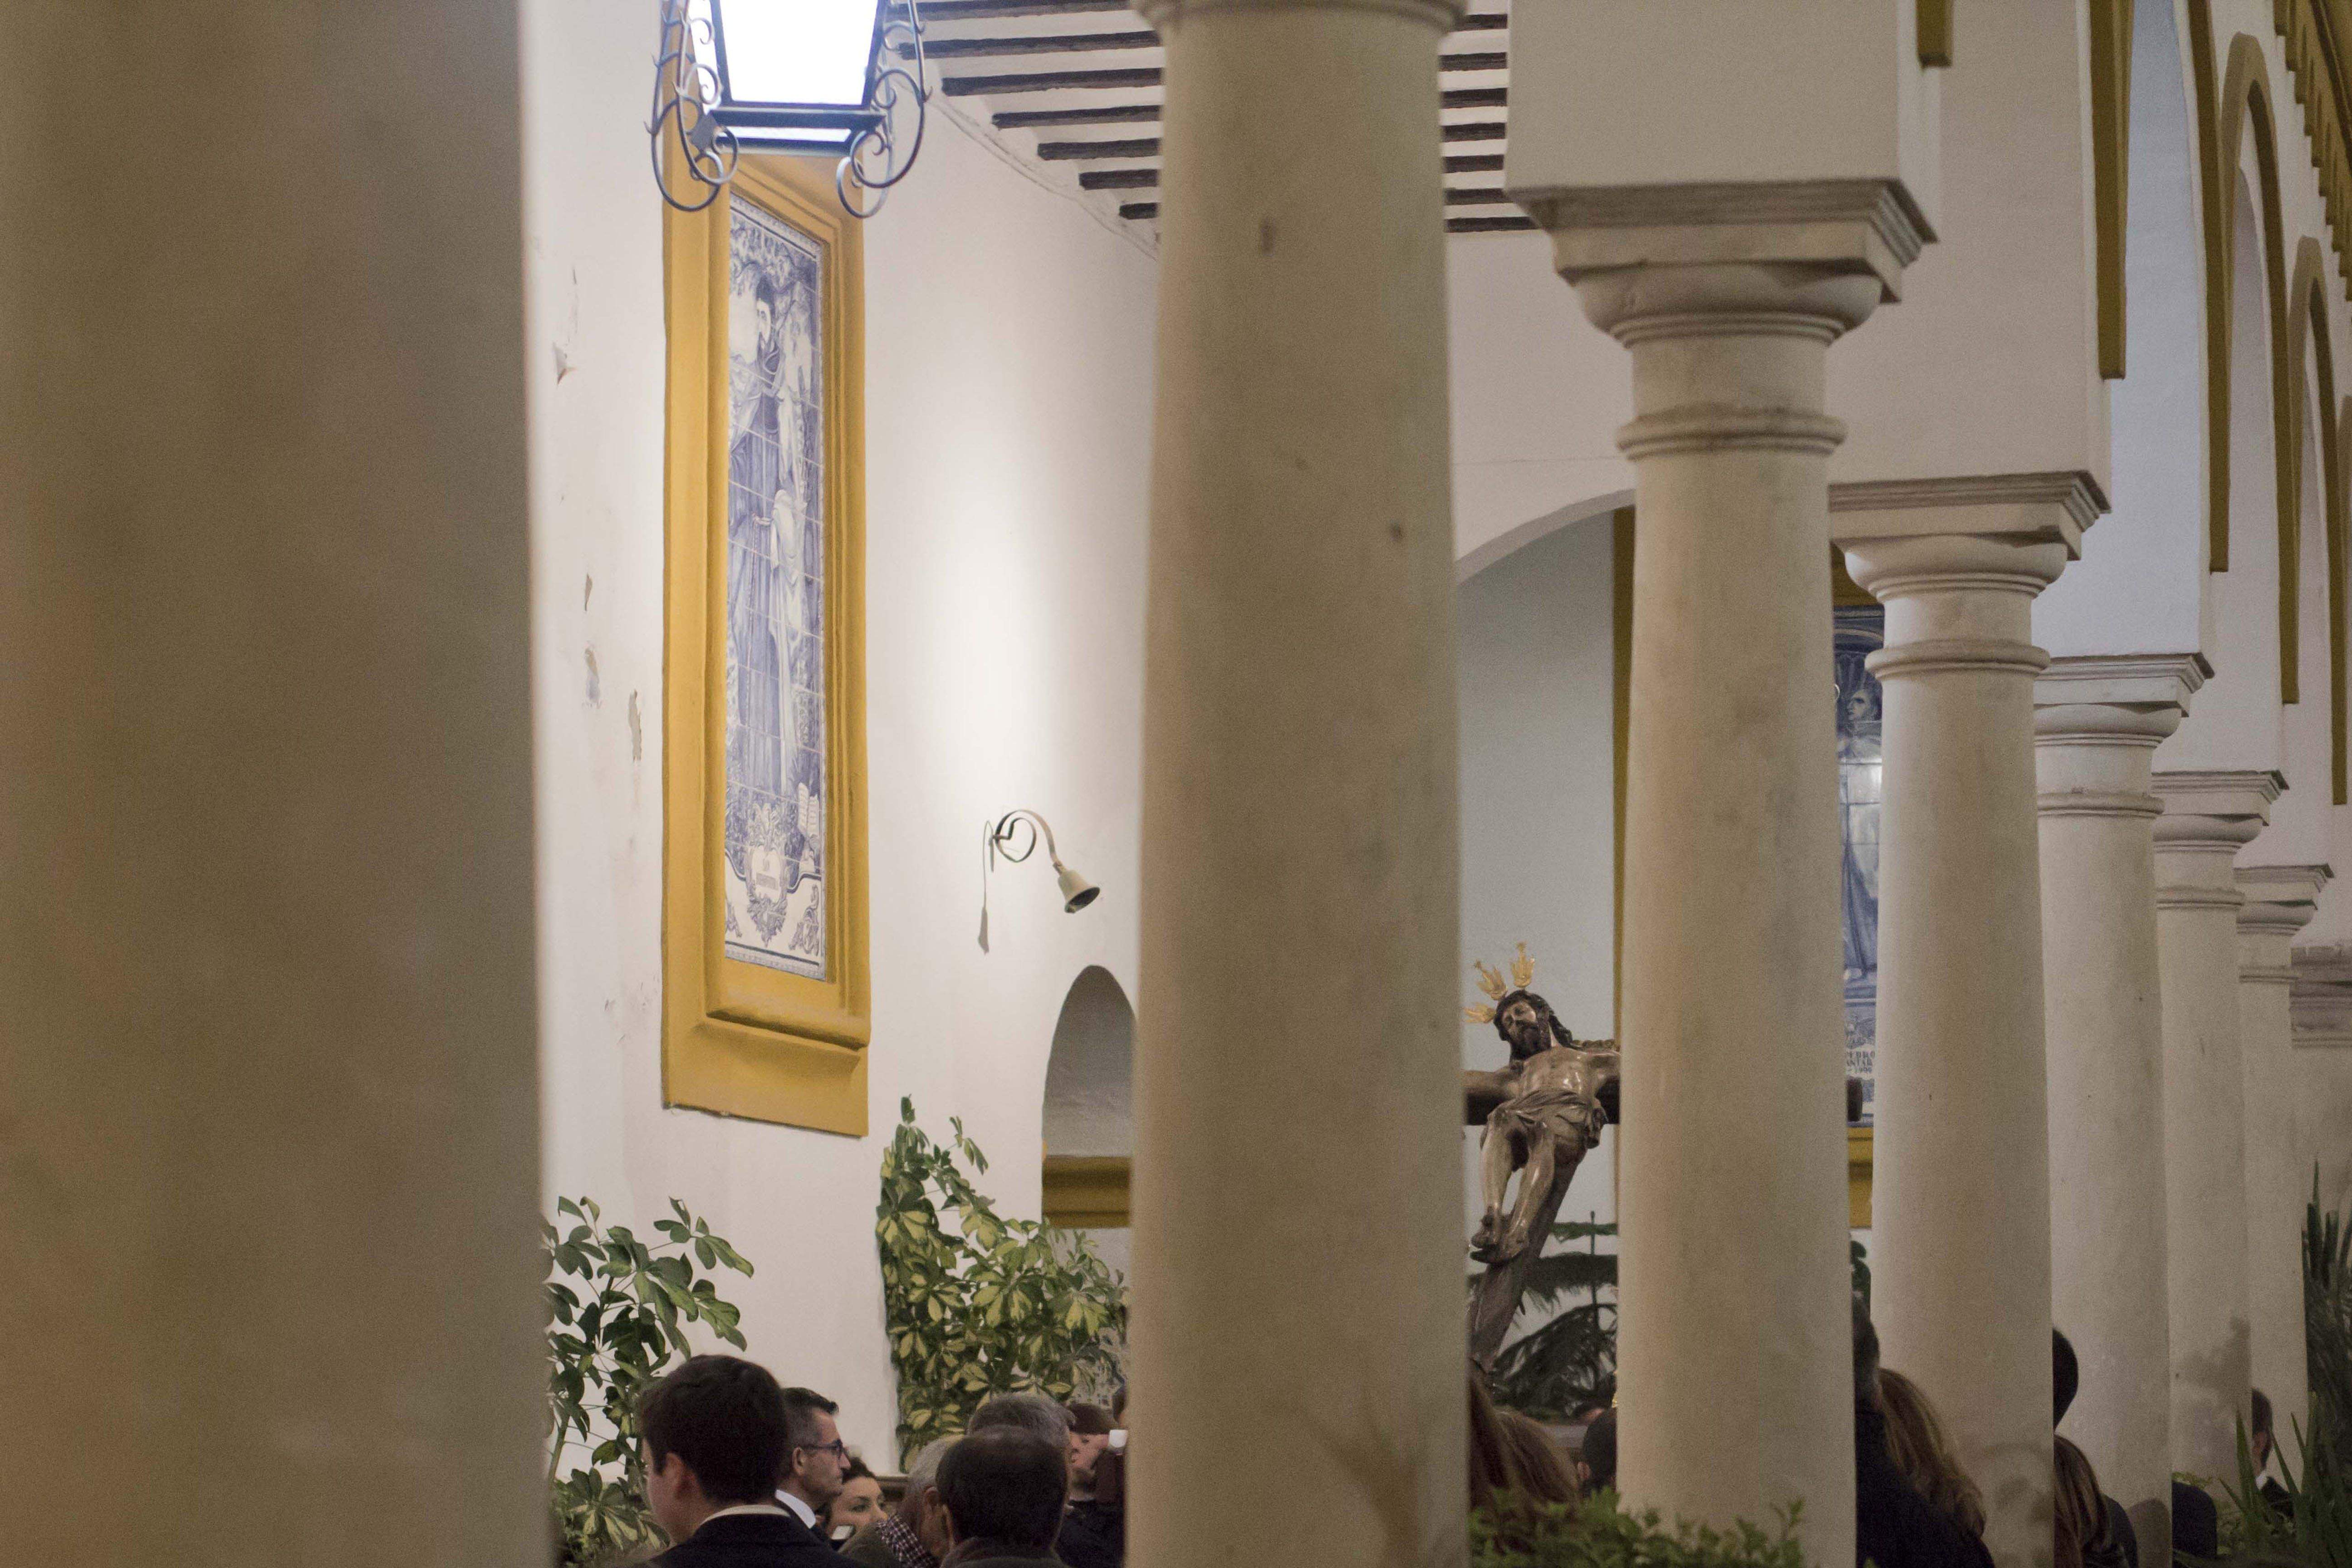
(766, 1007)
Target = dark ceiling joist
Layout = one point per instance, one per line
(1047, 44)
(1149, 179)
(1148, 76)
(1090, 151)
(1105, 114)
(1499, 224)
(1149, 146)
(950, 11)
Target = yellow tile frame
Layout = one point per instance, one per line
(739, 1038)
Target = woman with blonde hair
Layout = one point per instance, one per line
(1923, 1453)
(1513, 1459)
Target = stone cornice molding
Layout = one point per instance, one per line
(1867, 225)
(2196, 896)
(1441, 15)
(2054, 507)
(2218, 792)
(2138, 691)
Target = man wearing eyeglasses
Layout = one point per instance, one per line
(814, 1460)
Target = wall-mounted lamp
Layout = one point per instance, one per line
(1014, 836)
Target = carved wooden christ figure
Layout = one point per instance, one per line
(1543, 1114)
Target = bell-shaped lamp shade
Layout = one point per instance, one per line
(795, 73)
(1076, 891)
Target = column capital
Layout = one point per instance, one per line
(2280, 899)
(1440, 15)
(1869, 228)
(2208, 814)
(1637, 304)
(2097, 720)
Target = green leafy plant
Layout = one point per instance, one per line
(1599, 1534)
(618, 1308)
(982, 1305)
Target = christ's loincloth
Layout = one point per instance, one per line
(1561, 1115)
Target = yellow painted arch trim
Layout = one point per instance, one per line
(2111, 62)
(2245, 98)
(2309, 349)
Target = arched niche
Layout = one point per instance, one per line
(1090, 1104)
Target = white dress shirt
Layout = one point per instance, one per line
(807, 1514)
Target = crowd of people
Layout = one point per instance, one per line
(744, 1473)
(741, 1472)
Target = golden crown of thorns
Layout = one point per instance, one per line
(1490, 981)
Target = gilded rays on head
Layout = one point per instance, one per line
(1491, 981)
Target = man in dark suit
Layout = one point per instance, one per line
(715, 1439)
(1004, 1489)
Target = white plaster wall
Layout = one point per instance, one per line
(2137, 587)
(2234, 722)
(1539, 802)
(1538, 394)
(1009, 363)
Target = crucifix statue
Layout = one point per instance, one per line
(1543, 1114)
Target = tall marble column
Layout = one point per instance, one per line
(267, 1076)
(2279, 901)
(1298, 1260)
(2208, 816)
(2097, 723)
(1960, 1196)
(1734, 1352)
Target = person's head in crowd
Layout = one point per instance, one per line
(1866, 1358)
(1007, 1486)
(1542, 1470)
(2086, 1536)
(1922, 1452)
(2261, 1437)
(715, 1433)
(1596, 1461)
(1505, 1471)
(2065, 1375)
(1586, 1414)
(814, 1458)
(859, 1503)
(1090, 1429)
(1031, 1413)
(918, 1523)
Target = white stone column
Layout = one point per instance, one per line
(1734, 1353)
(2279, 901)
(1959, 1194)
(268, 1070)
(2208, 816)
(1298, 1240)
(2097, 723)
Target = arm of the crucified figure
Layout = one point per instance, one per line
(1483, 1091)
(1605, 1092)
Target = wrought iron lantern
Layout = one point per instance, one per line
(840, 78)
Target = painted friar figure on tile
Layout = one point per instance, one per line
(1543, 1114)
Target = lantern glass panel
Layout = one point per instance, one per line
(816, 52)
